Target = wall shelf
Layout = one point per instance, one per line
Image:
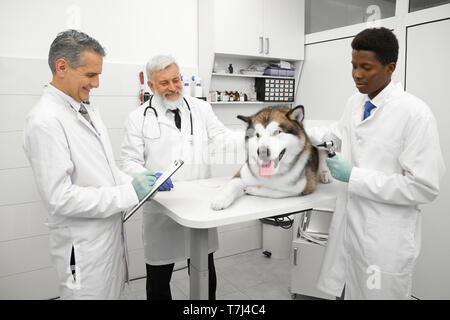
(236, 102)
(238, 75)
(249, 102)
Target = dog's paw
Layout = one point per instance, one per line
(253, 190)
(325, 176)
(221, 202)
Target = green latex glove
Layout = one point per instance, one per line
(143, 183)
(339, 168)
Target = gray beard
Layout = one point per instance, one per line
(171, 105)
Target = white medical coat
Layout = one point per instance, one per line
(84, 193)
(153, 143)
(374, 238)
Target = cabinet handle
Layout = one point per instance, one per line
(261, 44)
(267, 45)
(295, 256)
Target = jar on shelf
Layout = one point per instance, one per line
(213, 96)
(225, 97)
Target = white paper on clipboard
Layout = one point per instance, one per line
(166, 175)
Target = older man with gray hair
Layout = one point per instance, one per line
(83, 191)
(170, 126)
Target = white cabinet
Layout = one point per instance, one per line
(306, 259)
(307, 256)
(284, 26)
(240, 32)
(238, 27)
(266, 28)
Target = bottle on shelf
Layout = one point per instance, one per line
(197, 85)
(230, 68)
(186, 87)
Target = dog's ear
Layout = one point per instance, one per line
(245, 119)
(297, 113)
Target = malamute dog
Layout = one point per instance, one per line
(281, 161)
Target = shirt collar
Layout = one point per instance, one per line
(65, 97)
(382, 97)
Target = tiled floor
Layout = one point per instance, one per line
(245, 276)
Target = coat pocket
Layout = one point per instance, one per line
(390, 245)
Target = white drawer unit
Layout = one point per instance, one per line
(307, 256)
(306, 262)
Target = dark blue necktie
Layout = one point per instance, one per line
(367, 108)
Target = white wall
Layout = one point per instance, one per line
(326, 81)
(131, 31)
(427, 73)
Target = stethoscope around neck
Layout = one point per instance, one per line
(156, 115)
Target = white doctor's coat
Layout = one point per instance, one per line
(374, 238)
(153, 143)
(84, 193)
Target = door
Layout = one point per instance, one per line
(307, 259)
(238, 27)
(284, 24)
(427, 68)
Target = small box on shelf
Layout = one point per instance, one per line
(279, 72)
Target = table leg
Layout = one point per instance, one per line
(198, 280)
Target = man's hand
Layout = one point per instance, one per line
(166, 186)
(339, 168)
(143, 183)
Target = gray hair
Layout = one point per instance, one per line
(70, 44)
(158, 63)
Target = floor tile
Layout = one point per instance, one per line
(245, 276)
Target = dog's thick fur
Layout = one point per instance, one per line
(275, 139)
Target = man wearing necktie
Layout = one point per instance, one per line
(390, 163)
(81, 187)
(181, 127)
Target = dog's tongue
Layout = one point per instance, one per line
(266, 169)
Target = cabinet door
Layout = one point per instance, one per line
(307, 260)
(284, 24)
(238, 27)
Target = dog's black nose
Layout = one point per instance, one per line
(263, 152)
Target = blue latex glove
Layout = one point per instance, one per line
(143, 183)
(339, 168)
(166, 186)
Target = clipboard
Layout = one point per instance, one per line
(163, 178)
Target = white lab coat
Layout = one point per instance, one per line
(84, 193)
(374, 238)
(153, 143)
